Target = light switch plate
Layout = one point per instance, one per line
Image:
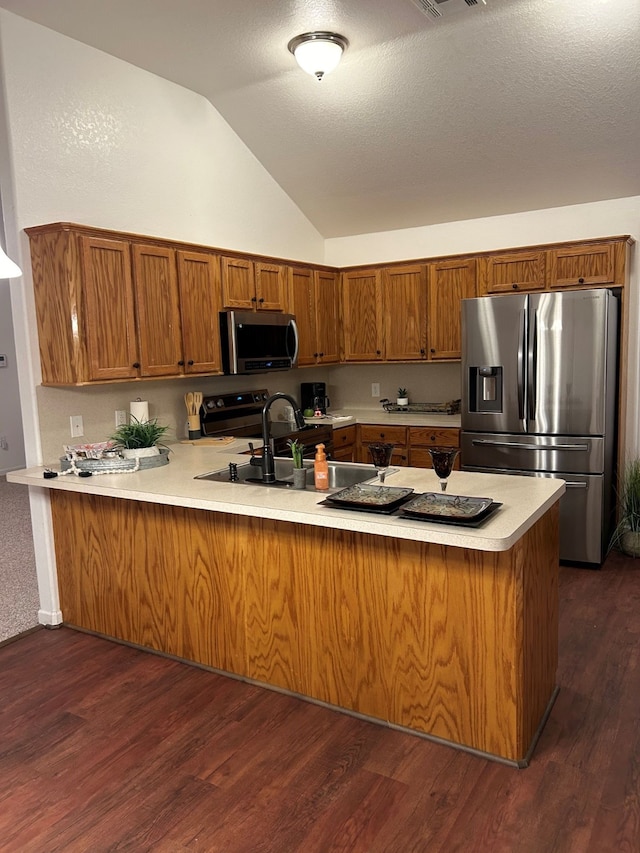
(375, 389)
(77, 427)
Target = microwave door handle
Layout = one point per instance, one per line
(294, 326)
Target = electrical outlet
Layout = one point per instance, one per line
(4, 445)
(77, 427)
(121, 417)
(375, 389)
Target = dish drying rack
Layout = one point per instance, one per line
(452, 407)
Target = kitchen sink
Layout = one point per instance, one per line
(341, 474)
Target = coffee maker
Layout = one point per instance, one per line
(313, 395)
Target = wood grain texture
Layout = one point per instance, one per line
(238, 283)
(436, 639)
(512, 272)
(450, 281)
(362, 316)
(328, 320)
(158, 310)
(200, 304)
(404, 291)
(271, 285)
(582, 265)
(301, 303)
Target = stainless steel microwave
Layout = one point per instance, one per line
(258, 342)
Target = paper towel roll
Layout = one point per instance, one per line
(139, 409)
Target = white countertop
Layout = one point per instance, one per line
(524, 499)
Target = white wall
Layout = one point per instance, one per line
(88, 138)
(578, 222)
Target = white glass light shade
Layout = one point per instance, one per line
(7, 267)
(318, 53)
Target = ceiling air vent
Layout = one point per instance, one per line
(438, 9)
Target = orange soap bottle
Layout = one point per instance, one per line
(321, 469)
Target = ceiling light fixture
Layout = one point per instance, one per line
(318, 53)
(7, 267)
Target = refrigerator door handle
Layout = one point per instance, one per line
(487, 442)
(531, 364)
(520, 361)
(575, 485)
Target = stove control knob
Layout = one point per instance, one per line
(220, 404)
(265, 396)
(209, 404)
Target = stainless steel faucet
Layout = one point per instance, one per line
(268, 465)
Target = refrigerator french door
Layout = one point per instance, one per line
(539, 390)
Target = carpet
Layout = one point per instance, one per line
(19, 599)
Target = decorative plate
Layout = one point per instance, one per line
(434, 505)
(368, 495)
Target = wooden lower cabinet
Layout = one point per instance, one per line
(454, 643)
(369, 434)
(422, 438)
(344, 444)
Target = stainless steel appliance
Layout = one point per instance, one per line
(258, 341)
(313, 395)
(241, 415)
(539, 389)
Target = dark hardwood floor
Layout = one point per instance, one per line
(104, 748)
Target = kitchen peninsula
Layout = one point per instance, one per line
(447, 631)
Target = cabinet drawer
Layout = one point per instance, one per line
(344, 436)
(419, 457)
(434, 437)
(393, 434)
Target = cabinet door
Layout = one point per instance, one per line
(449, 282)
(421, 438)
(112, 351)
(344, 444)
(362, 316)
(327, 312)
(200, 304)
(158, 309)
(513, 271)
(270, 286)
(302, 306)
(238, 284)
(405, 313)
(579, 265)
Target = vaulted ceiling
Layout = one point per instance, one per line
(498, 108)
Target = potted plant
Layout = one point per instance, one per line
(299, 472)
(403, 397)
(626, 536)
(139, 438)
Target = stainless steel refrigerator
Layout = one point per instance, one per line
(539, 391)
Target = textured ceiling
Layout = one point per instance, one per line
(519, 105)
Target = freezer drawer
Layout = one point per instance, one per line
(584, 515)
(579, 454)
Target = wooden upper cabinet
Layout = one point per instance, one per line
(270, 286)
(450, 282)
(512, 271)
(581, 265)
(238, 284)
(200, 304)
(327, 311)
(405, 312)
(109, 315)
(253, 286)
(314, 301)
(302, 306)
(362, 315)
(158, 307)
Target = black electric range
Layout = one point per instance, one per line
(240, 415)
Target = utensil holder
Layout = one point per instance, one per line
(194, 426)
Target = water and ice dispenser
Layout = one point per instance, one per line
(485, 388)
